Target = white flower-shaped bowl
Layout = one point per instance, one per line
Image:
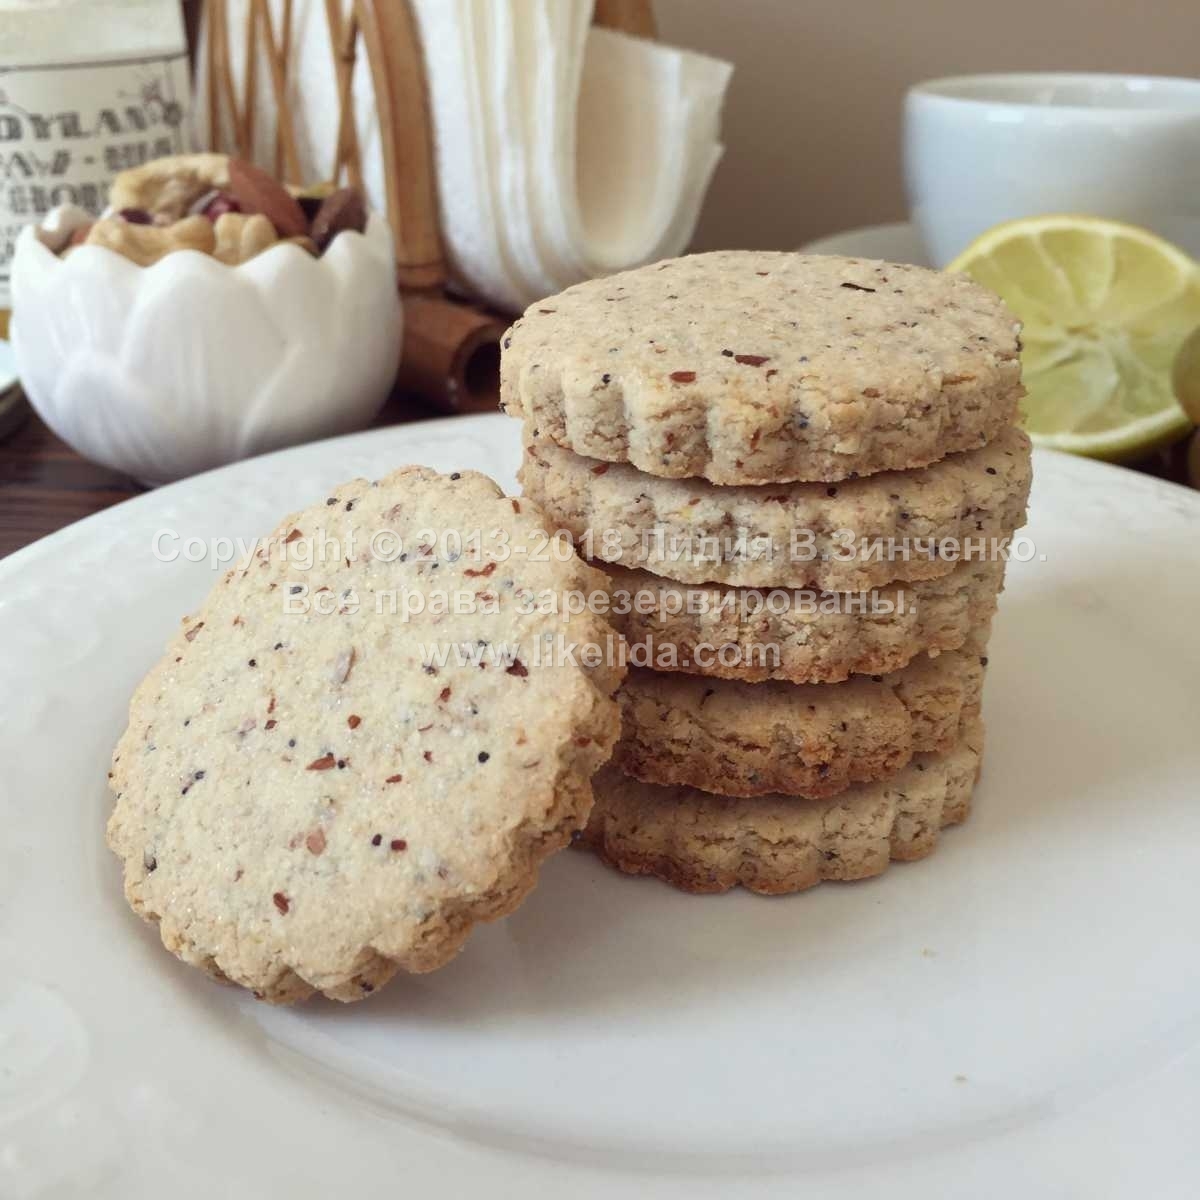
(167, 370)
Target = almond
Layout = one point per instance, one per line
(257, 192)
(340, 212)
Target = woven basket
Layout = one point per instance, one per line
(451, 353)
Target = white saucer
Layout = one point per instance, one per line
(1015, 1016)
(894, 242)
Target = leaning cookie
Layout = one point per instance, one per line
(846, 537)
(801, 636)
(779, 844)
(815, 740)
(762, 367)
(333, 774)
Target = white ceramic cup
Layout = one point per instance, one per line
(981, 149)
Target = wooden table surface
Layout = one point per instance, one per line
(45, 485)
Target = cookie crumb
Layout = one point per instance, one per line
(344, 665)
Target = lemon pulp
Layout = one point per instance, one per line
(1106, 308)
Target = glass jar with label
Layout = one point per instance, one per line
(87, 89)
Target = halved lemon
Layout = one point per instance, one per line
(1106, 307)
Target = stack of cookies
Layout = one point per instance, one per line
(801, 473)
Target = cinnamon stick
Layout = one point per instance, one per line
(451, 355)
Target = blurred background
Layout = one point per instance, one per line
(813, 116)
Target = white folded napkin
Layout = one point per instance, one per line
(563, 151)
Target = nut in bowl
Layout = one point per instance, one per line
(210, 316)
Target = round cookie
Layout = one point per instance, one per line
(763, 367)
(321, 785)
(800, 636)
(811, 739)
(779, 844)
(843, 537)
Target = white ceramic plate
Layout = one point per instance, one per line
(1018, 1015)
(894, 242)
